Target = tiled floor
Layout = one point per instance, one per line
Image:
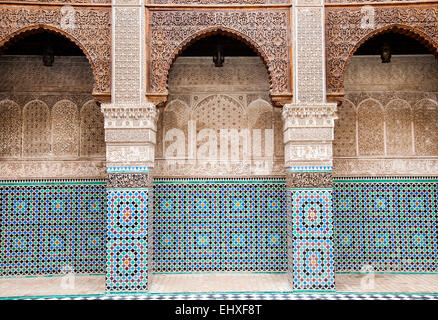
(43, 286)
(220, 282)
(217, 282)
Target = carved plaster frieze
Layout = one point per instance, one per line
(385, 167)
(11, 170)
(310, 151)
(175, 168)
(129, 180)
(130, 135)
(309, 180)
(308, 134)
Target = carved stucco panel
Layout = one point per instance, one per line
(345, 130)
(370, 117)
(214, 99)
(10, 129)
(398, 128)
(127, 55)
(36, 130)
(92, 130)
(309, 55)
(65, 129)
(426, 127)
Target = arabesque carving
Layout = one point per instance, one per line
(65, 129)
(10, 129)
(266, 31)
(345, 32)
(223, 2)
(36, 129)
(92, 130)
(300, 180)
(91, 32)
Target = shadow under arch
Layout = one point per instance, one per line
(217, 30)
(41, 28)
(403, 29)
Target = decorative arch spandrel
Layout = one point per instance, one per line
(266, 31)
(345, 33)
(91, 32)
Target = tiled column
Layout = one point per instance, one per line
(130, 129)
(130, 138)
(308, 136)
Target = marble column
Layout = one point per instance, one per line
(130, 136)
(308, 137)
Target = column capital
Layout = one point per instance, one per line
(308, 135)
(313, 115)
(130, 134)
(308, 3)
(124, 116)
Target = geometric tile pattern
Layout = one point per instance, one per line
(386, 224)
(219, 225)
(310, 239)
(127, 248)
(46, 225)
(389, 224)
(249, 296)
